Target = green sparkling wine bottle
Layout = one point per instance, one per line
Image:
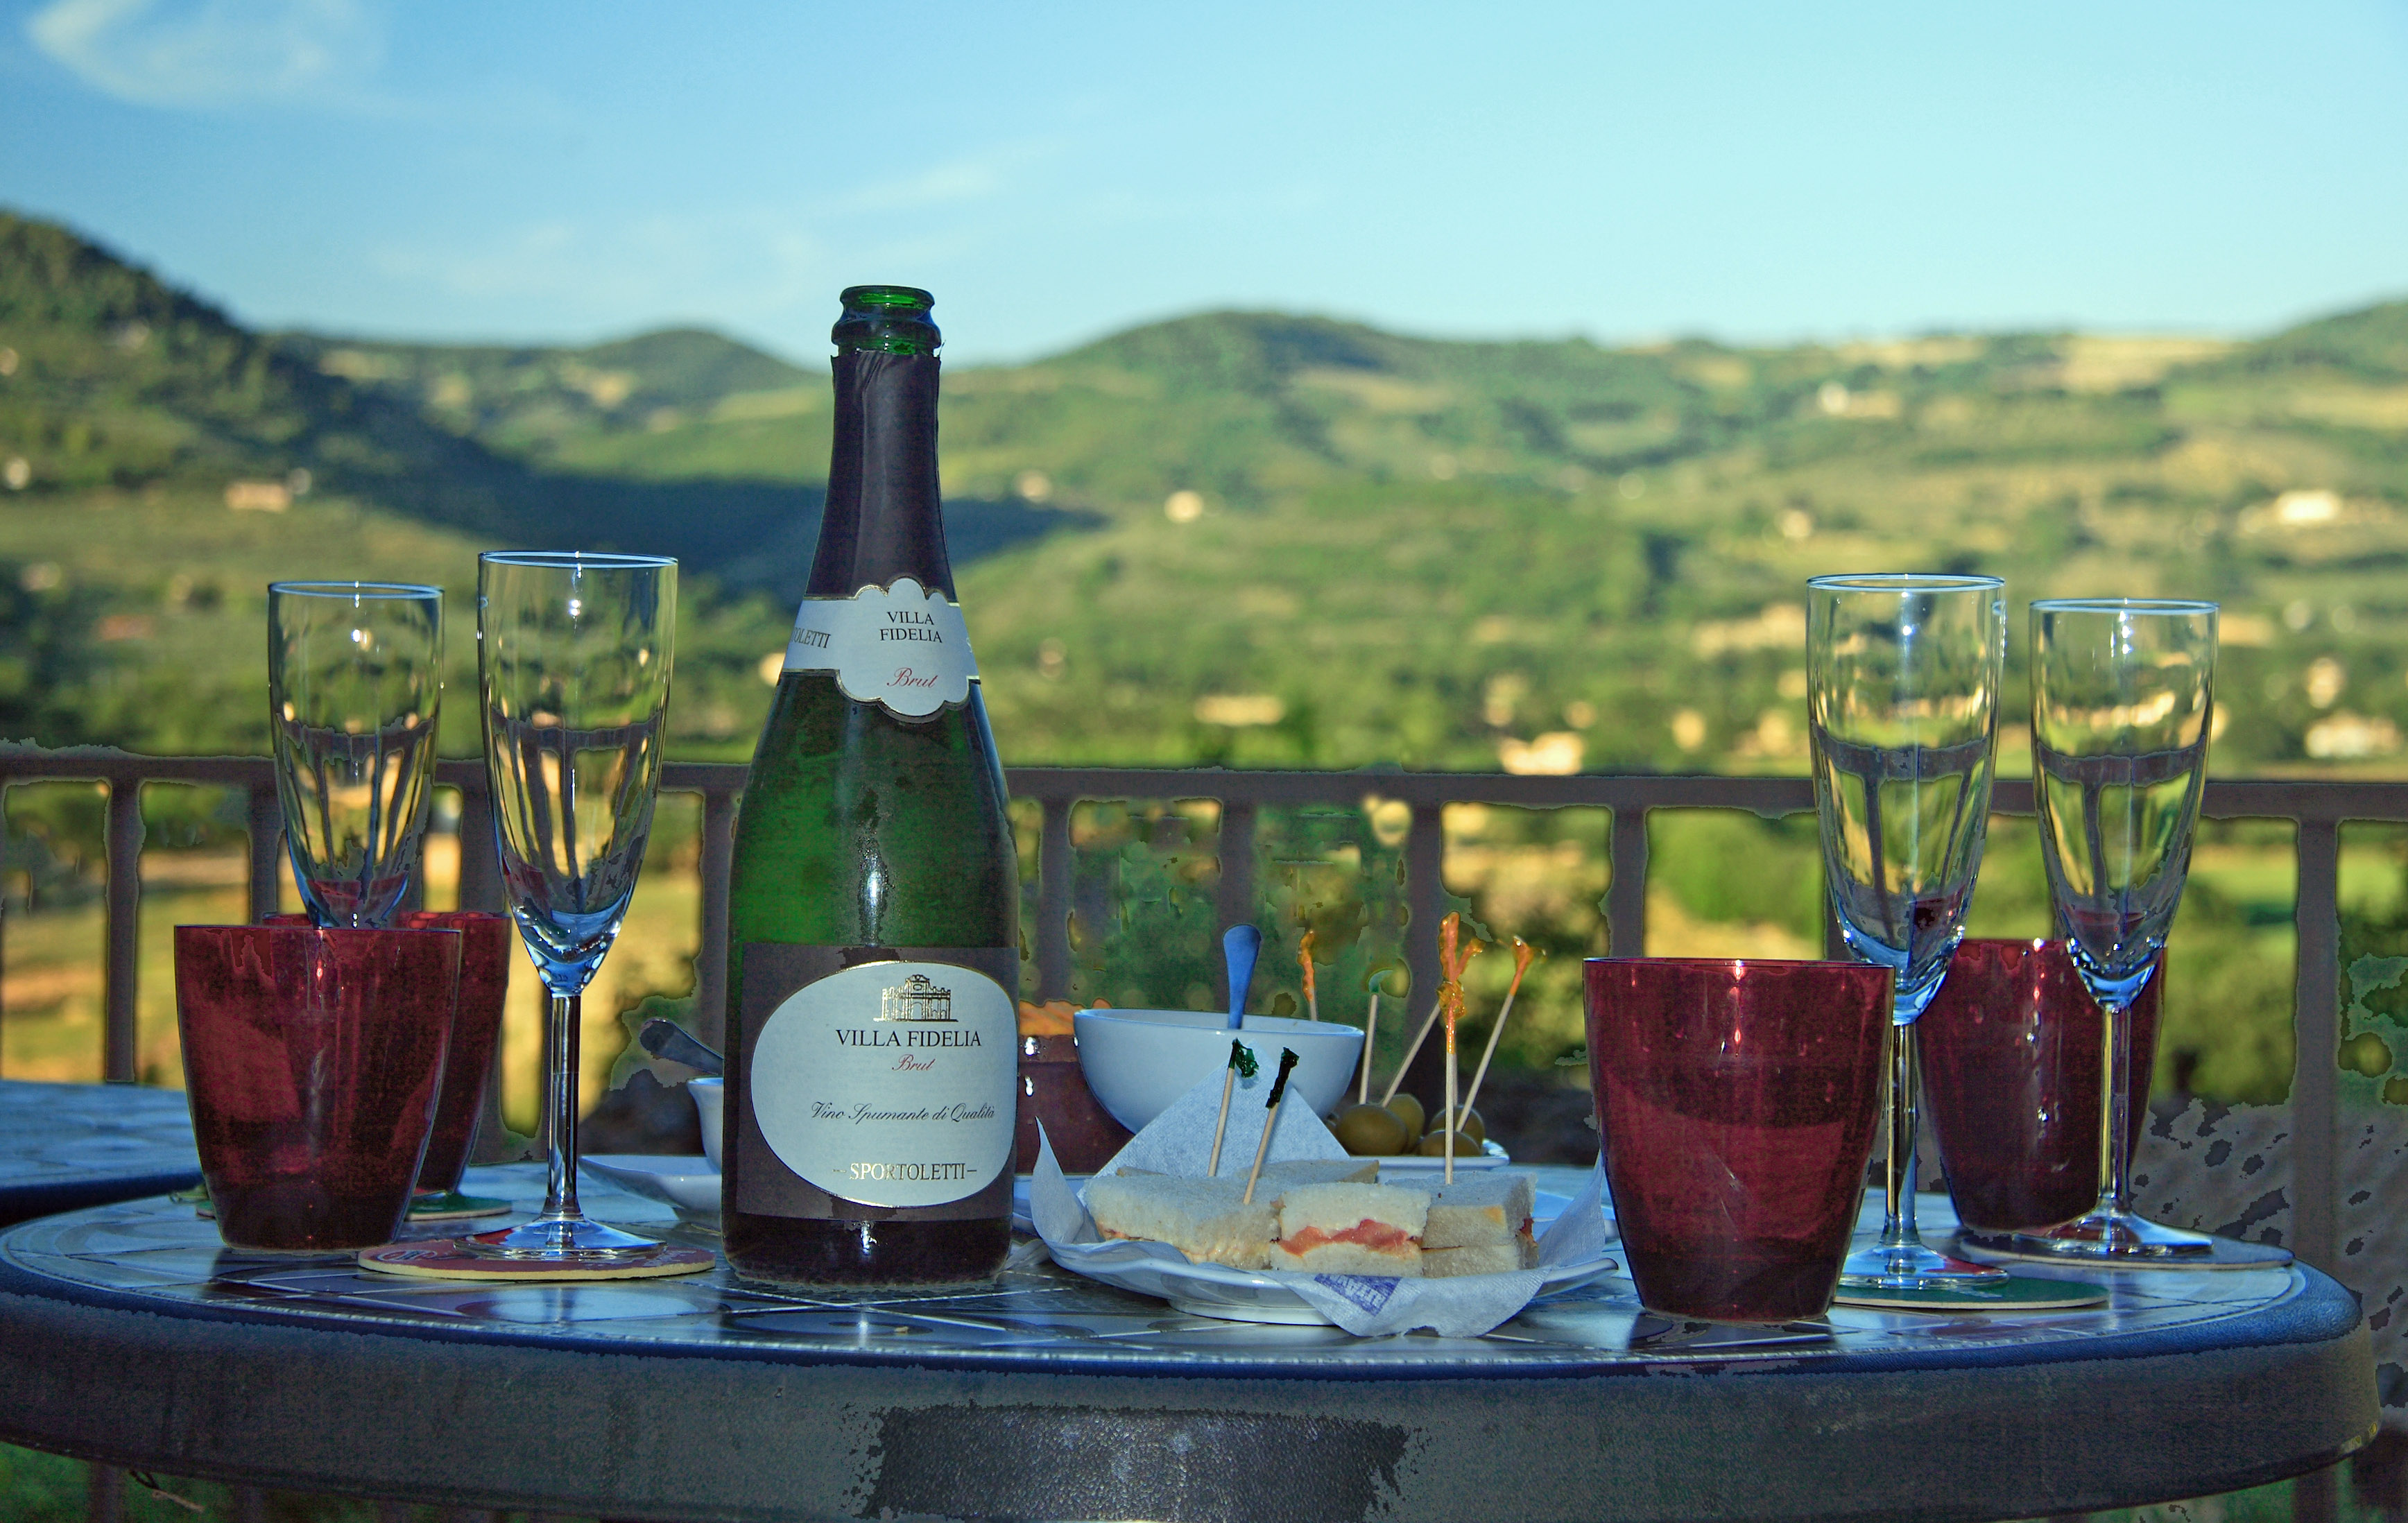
(873, 913)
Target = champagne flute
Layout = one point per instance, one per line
(1902, 697)
(354, 684)
(573, 667)
(2121, 710)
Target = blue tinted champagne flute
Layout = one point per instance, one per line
(2122, 707)
(573, 667)
(1903, 688)
(355, 685)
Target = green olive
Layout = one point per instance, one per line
(1434, 1145)
(1472, 1126)
(1410, 1111)
(1371, 1132)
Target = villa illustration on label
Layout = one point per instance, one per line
(916, 999)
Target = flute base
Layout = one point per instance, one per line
(564, 1240)
(446, 1258)
(1912, 1265)
(2126, 1242)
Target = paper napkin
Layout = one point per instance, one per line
(1180, 1142)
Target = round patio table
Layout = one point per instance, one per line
(64, 1146)
(128, 1336)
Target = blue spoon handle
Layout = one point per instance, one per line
(1241, 945)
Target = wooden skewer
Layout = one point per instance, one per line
(1370, 1029)
(1270, 1119)
(1240, 1061)
(1411, 1053)
(1522, 954)
(1312, 995)
(1452, 968)
(1454, 1002)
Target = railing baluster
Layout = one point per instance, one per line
(1625, 891)
(3, 900)
(481, 888)
(120, 1036)
(2316, 1078)
(710, 956)
(1236, 848)
(1424, 907)
(265, 819)
(104, 1498)
(1054, 867)
(481, 870)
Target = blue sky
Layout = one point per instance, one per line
(547, 171)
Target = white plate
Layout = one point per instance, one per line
(1239, 1295)
(688, 1183)
(1490, 1157)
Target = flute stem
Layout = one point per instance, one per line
(560, 1044)
(2115, 1116)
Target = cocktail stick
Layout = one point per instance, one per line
(1241, 1061)
(1524, 952)
(1370, 1029)
(1270, 1119)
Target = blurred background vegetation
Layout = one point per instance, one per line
(1249, 540)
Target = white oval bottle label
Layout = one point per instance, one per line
(890, 1083)
(902, 645)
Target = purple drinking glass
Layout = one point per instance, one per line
(2012, 1049)
(1737, 1101)
(312, 1058)
(487, 942)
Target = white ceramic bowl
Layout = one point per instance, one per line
(1138, 1061)
(707, 1094)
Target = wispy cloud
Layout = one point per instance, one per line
(753, 264)
(583, 271)
(980, 175)
(214, 53)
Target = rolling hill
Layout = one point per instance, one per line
(1274, 539)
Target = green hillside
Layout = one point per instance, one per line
(1274, 539)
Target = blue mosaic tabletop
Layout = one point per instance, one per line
(67, 1146)
(128, 1335)
(155, 1254)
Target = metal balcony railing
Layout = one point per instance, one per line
(2317, 810)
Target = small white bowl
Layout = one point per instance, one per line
(1138, 1061)
(707, 1094)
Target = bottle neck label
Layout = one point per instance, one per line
(903, 647)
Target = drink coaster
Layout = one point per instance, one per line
(2225, 1254)
(442, 1258)
(2015, 1293)
(451, 1206)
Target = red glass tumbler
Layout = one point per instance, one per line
(1738, 1101)
(486, 943)
(312, 1059)
(2011, 1048)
